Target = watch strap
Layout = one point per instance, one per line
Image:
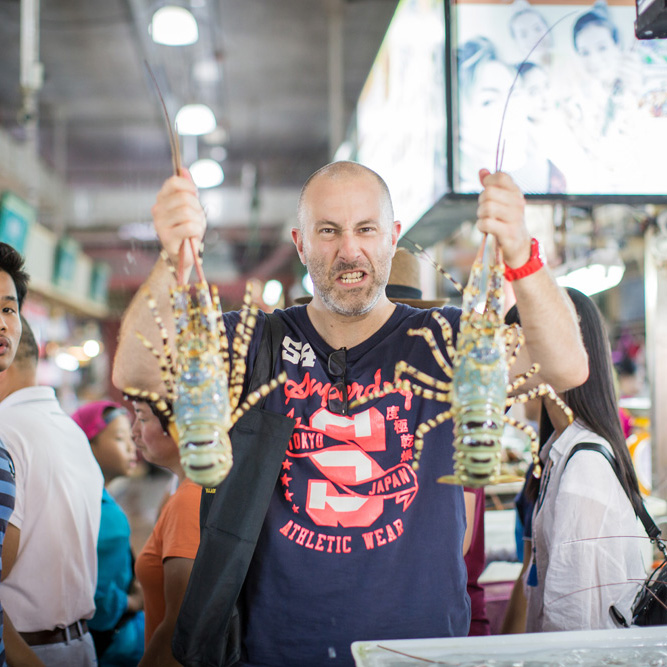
(535, 263)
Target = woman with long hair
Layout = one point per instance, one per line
(585, 556)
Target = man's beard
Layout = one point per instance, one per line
(351, 303)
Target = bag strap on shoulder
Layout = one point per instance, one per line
(649, 525)
(269, 348)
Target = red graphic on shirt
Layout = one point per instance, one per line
(310, 386)
(354, 486)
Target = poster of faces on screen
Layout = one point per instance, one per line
(588, 112)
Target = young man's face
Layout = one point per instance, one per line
(10, 321)
(347, 242)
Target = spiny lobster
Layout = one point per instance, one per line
(203, 377)
(478, 388)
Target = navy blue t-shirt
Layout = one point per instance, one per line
(356, 545)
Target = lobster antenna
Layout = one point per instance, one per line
(173, 142)
(176, 165)
(422, 253)
(499, 156)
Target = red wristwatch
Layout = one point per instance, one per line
(535, 262)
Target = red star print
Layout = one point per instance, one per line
(295, 509)
(285, 480)
(287, 464)
(288, 496)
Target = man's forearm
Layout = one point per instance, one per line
(550, 325)
(17, 651)
(134, 366)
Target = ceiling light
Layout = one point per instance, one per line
(195, 119)
(307, 284)
(218, 153)
(66, 362)
(76, 352)
(218, 137)
(600, 270)
(91, 348)
(273, 290)
(206, 71)
(174, 26)
(206, 173)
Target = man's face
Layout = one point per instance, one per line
(347, 242)
(10, 321)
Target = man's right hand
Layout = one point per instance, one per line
(178, 215)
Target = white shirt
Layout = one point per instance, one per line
(587, 541)
(58, 505)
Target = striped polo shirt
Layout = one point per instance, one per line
(7, 498)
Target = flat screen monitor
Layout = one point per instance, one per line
(587, 114)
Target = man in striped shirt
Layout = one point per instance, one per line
(13, 288)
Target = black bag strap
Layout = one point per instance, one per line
(269, 348)
(208, 629)
(649, 525)
(262, 372)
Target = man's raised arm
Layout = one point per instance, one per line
(177, 216)
(548, 318)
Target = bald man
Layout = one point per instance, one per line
(354, 544)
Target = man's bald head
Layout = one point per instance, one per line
(339, 171)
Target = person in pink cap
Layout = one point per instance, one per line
(118, 624)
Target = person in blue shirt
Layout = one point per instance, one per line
(13, 289)
(118, 624)
(7, 498)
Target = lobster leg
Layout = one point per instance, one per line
(166, 371)
(403, 367)
(423, 429)
(546, 391)
(255, 396)
(240, 345)
(402, 386)
(447, 335)
(222, 333)
(520, 380)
